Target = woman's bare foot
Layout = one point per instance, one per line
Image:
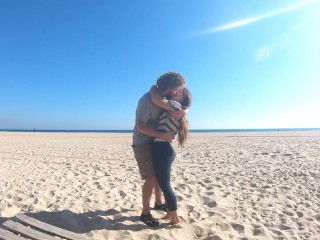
(173, 217)
(175, 220)
(166, 217)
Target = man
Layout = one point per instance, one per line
(144, 131)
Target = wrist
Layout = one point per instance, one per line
(158, 134)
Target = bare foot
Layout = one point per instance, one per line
(166, 217)
(175, 220)
(175, 226)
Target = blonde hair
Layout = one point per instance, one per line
(183, 131)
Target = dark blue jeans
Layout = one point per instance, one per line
(163, 157)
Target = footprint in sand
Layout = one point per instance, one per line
(214, 237)
(289, 213)
(276, 232)
(238, 227)
(287, 155)
(300, 214)
(284, 227)
(17, 199)
(222, 226)
(189, 208)
(207, 181)
(317, 217)
(200, 231)
(216, 214)
(211, 204)
(9, 196)
(195, 214)
(258, 232)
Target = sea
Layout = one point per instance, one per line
(192, 130)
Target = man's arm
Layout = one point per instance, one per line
(145, 129)
(165, 104)
(158, 100)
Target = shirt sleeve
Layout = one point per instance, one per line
(143, 110)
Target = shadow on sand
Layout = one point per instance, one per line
(89, 221)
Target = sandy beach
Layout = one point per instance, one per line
(228, 185)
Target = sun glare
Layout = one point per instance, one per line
(247, 21)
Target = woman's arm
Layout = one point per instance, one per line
(179, 114)
(158, 100)
(145, 129)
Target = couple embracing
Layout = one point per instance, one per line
(160, 119)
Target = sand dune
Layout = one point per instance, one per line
(229, 185)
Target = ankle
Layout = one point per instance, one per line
(145, 212)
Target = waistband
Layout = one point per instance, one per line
(159, 140)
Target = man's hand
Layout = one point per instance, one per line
(167, 136)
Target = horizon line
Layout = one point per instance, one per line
(131, 130)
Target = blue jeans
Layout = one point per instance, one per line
(163, 157)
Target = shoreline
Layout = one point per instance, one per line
(191, 130)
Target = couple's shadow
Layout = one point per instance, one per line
(89, 221)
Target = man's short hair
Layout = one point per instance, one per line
(170, 80)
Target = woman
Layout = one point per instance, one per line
(164, 153)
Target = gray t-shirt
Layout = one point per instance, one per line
(148, 113)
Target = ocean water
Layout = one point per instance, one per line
(192, 130)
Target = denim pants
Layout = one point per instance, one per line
(163, 157)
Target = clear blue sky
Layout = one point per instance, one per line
(84, 64)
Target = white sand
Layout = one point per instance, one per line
(229, 185)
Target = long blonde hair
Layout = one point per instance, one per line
(183, 131)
